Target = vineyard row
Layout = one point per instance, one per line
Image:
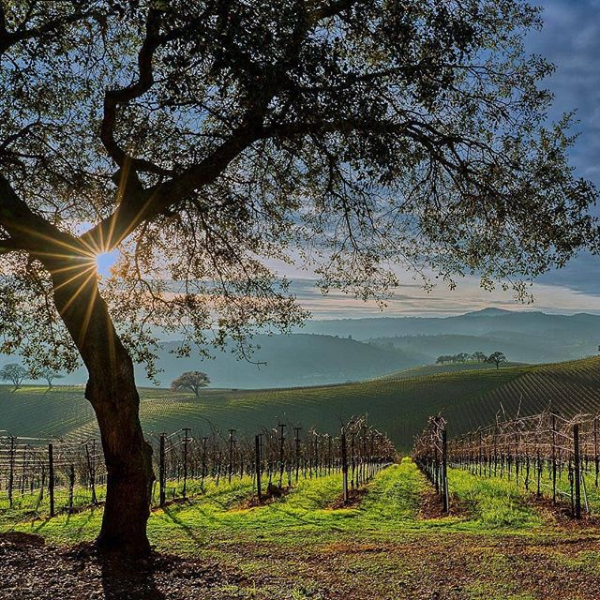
(39, 475)
(544, 453)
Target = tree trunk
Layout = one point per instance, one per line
(113, 394)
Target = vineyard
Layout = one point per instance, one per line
(546, 455)
(45, 477)
(486, 510)
(397, 404)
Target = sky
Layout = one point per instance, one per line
(571, 40)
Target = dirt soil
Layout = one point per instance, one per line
(426, 567)
(31, 570)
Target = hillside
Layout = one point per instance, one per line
(277, 361)
(350, 350)
(397, 404)
(524, 336)
(290, 360)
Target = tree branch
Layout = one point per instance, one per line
(115, 98)
(8, 38)
(32, 233)
(326, 10)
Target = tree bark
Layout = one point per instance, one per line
(113, 394)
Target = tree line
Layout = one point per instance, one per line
(17, 374)
(496, 358)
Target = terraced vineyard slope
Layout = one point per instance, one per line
(398, 405)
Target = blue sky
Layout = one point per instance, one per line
(571, 40)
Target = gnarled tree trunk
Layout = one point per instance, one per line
(112, 392)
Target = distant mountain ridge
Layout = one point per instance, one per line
(338, 351)
(584, 325)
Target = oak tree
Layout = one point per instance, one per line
(191, 381)
(14, 373)
(210, 140)
(496, 358)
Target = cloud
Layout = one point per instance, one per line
(468, 296)
(570, 39)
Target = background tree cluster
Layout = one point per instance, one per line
(17, 374)
(495, 358)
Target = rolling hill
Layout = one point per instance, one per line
(396, 404)
(277, 361)
(524, 336)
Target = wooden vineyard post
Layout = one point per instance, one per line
(281, 453)
(352, 459)
(344, 467)
(51, 478)
(231, 448)
(316, 437)
(480, 458)
(554, 459)
(186, 440)
(577, 471)
(446, 498)
(162, 476)
(297, 440)
(71, 487)
(42, 483)
(11, 471)
(435, 472)
(596, 458)
(496, 450)
(204, 465)
(539, 474)
(257, 459)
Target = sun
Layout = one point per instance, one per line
(104, 262)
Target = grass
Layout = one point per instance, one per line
(397, 404)
(392, 504)
(492, 503)
(498, 547)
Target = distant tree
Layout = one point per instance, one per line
(50, 375)
(192, 381)
(14, 373)
(441, 360)
(496, 358)
(463, 357)
(478, 356)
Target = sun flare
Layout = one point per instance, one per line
(105, 261)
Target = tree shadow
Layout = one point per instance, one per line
(129, 580)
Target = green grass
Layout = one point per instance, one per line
(498, 547)
(392, 503)
(398, 405)
(291, 547)
(491, 503)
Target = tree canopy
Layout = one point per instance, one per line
(14, 373)
(191, 381)
(206, 139)
(496, 358)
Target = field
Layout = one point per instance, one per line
(398, 404)
(392, 541)
(394, 544)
